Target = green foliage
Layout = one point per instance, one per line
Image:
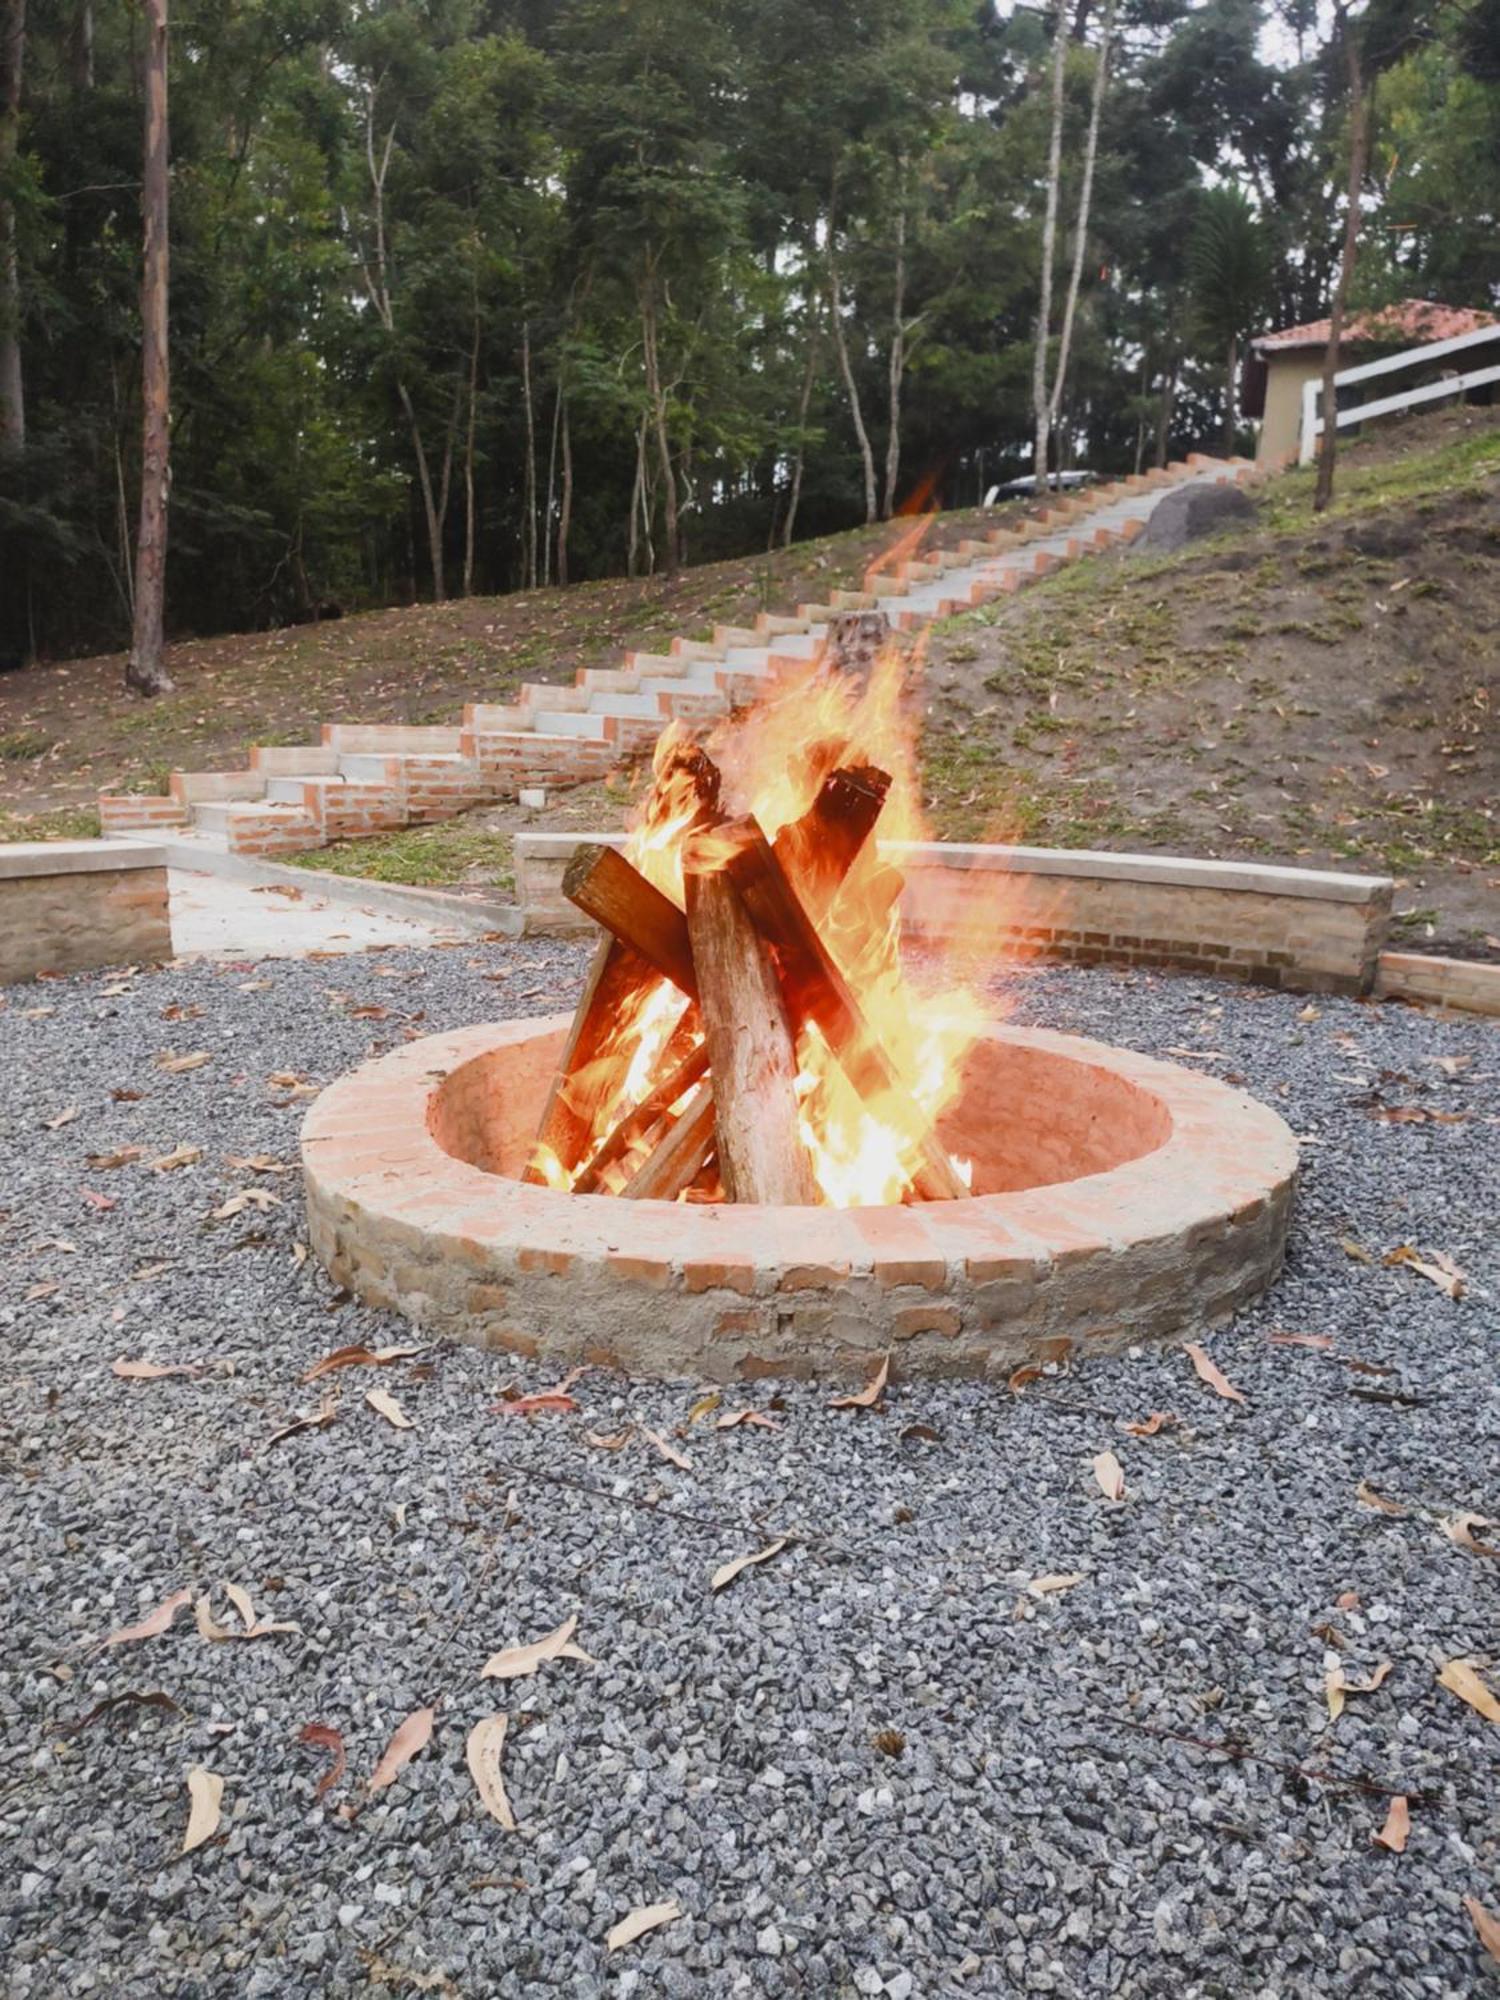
(433, 260)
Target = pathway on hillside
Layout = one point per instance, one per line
(367, 778)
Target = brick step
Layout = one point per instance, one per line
(568, 722)
(258, 827)
(139, 812)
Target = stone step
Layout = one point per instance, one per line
(421, 739)
(568, 722)
(310, 760)
(191, 787)
(734, 635)
(657, 663)
(546, 694)
(639, 706)
(696, 649)
(607, 680)
(773, 625)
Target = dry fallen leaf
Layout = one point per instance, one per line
(1487, 1927)
(1336, 1685)
(1047, 1586)
(528, 1406)
(413, 1735)
(1021, 1379)
(705, 1406)
(668, 1450)
(516, 1662)
(1157, 1421)
(628, 1929)
(256, 1163)
(253, 1627)
(734, 1420)
(1397, 1826)
(152, 1371)
(259, 1198)
(1355, 1250)
(64, 1117)
(359, 1357)
(176, 1065)
(322, 1737)
(1438, 1268)
(1459, 1529)
(181, 1156)
(727, 1572)
(870, 1395)
(602, 1443)
(486, 1741)
(1367, 1497)
(1110, 1475)
(205, 1791)
(153, 1626)
(1207, 1372)
(122, 1156)
(1322, 1341)
(1459, 1678)
(318, 1421)
(1347, 1600)
(387, 1406)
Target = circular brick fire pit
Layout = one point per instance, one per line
(1116, 1198)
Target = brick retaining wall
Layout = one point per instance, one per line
(1304, 928)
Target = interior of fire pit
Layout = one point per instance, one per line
(1025, 1117)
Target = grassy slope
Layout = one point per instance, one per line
(69, 730)
(1315, 691)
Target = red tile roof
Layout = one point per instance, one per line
(1414, 320)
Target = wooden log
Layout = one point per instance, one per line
(751, 1049)
(676, 1162)
(603, 884)
(616, 979)
(817, 851)
(638, 1121)
(816, 990)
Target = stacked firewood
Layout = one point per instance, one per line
(720, 1119)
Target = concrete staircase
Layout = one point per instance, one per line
(363, 778)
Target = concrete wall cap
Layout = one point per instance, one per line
(1180, 871)
(26, 858)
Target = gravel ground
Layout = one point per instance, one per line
(873, 1764)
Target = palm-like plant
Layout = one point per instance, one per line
(1229, 270)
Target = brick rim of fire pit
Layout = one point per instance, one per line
(1169, 1242)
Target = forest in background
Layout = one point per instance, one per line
(473, 295)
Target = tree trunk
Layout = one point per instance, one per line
(429, 502)
(846, 368)
(794, 495)
(528, 524)
(1041, 401)
(550, 507)
(143, 669)
(658, 402)
(12, 392)
(1164, 411)
(81, 47)
(469, 457)
(897, 368)
(565, 511)
(1358, 142)
(637, 486)
(1085, 202)
(1231, 367)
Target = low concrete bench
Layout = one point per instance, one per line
(68, 905)
(1308, 929)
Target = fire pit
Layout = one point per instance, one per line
(1120, 1199)
(761, 1145)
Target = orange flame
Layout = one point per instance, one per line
(772, 762)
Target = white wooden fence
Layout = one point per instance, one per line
(1453, 384)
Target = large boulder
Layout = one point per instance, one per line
(1188, 513)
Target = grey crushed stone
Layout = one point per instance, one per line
(1054, 1823)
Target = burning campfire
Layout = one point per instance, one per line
(748, 1032)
